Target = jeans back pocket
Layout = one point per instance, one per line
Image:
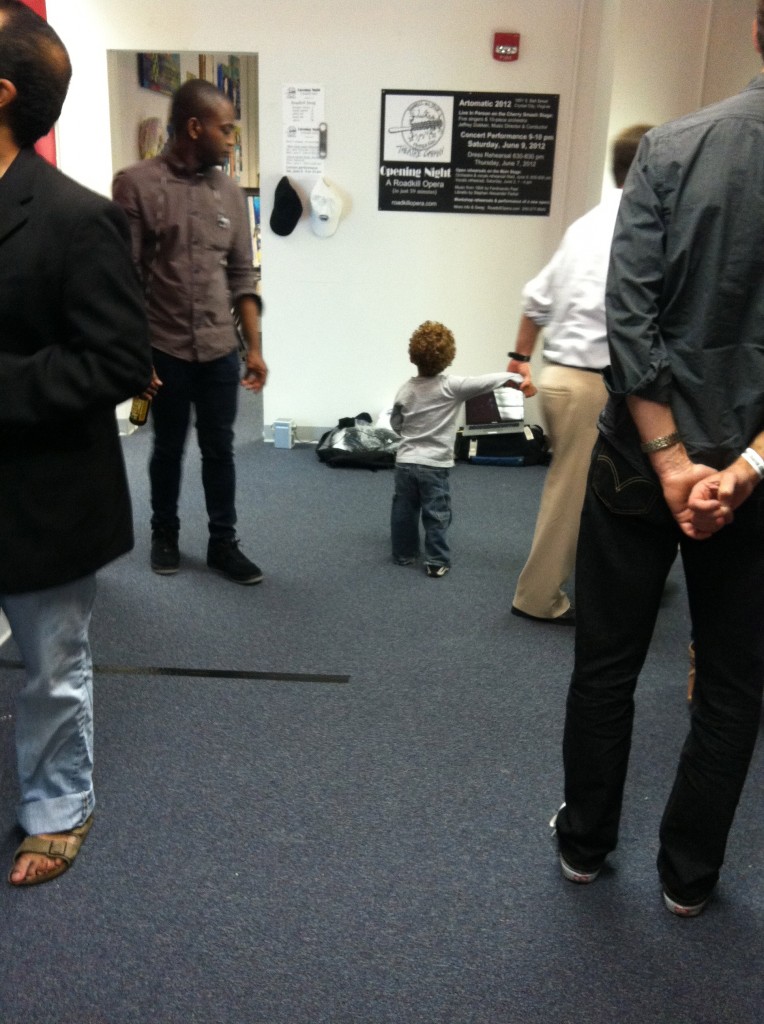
(619, 486)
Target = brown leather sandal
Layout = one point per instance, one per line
(64, 847)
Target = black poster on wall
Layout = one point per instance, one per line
(467, 152)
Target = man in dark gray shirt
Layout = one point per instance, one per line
(680, 452)
(192, 245)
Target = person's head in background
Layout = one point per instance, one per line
(625, 147)
(202, 124)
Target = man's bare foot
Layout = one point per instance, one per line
(31, 866)
(43, 857)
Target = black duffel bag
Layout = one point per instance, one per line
(526, 447)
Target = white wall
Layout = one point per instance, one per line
(339, 311)
(731, 59)
(660, 56)
(672, 58)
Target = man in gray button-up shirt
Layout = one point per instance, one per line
(192, 245)
(680, 453)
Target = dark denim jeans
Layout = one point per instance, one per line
(421, 490)
(627, 543)
(213, 390)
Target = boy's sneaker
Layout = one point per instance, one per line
(165, 556)
(684, 909)
(224, 557)
(436, 571)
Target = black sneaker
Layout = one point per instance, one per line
(224, 557)
(165, 557)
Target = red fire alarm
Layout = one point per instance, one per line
(506, 45)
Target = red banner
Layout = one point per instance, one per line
(45, 147)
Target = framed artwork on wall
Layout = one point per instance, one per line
(159, 72)
(229, 82)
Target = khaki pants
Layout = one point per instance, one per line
(571, 401)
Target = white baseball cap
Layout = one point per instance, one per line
(325, 208)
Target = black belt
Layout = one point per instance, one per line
(567, 366)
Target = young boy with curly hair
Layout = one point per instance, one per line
(424, 414)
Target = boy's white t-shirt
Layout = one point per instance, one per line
(425, 411)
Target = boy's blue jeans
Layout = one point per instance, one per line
(425, 491)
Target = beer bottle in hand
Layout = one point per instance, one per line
(139, 411)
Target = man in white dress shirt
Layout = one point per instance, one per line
(567, 301)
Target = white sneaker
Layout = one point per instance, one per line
(684, 909)
(572, 874)
(575, 875)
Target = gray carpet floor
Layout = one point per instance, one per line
(369, 842)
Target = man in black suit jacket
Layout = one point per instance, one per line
(73, 344)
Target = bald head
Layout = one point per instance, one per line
(195, 98)
(203, 125)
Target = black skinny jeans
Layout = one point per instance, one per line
(213, 390)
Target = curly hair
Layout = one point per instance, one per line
(35, 60)
(432, 348)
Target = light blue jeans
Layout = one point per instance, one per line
(54, 710)
(421, 491)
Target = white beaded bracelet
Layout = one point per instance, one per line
(755, 461)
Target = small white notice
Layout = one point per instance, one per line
(303, 112)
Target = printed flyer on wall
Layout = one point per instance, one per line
(303, 112)
(467, 152)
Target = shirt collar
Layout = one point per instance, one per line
(183, 170)
(757, 82)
